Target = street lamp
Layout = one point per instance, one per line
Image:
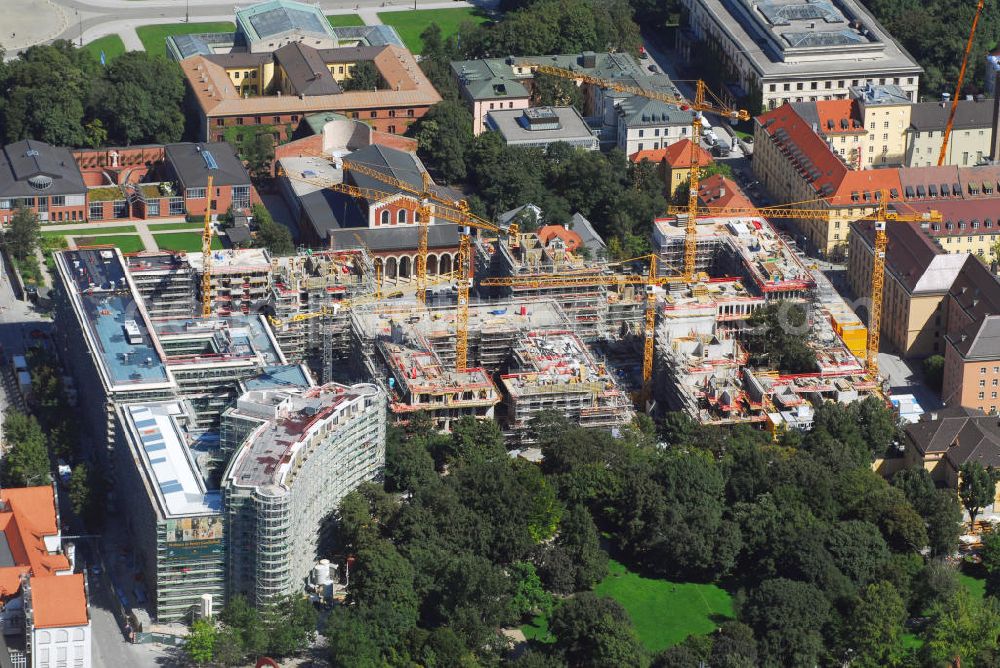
(187, 11)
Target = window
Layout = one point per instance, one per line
(771, 88)
(982, 369)
(885, 136)
(965, 157)
(642, 132)
(385, 217)
(787, 87)
(257, 120)
(798, 86)
(409, 112)
(277, 119)
(982, 383)
(491, 107)
(840, 84)
(195, 193)
(401, 216)
(295, 118)
(391, 129)
(219, 122)
(814, 85)
(236, 75)
(828, 85)
(241, 197)
(340, 70)
(239, 121)
(5, 204)
(96, 211)
(640, 146)
(982, 395)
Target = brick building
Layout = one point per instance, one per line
(42, 178)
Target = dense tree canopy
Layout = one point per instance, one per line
(61, 95)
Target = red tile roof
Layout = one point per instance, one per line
(839, 117)
(569, 237)
(719, 192)
(677, 155)
(59, 601)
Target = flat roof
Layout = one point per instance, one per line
(104, 300)
(565, 124)
(230, 338)
(171, 474)
(278, 377)
(790, 38)
(234, 260)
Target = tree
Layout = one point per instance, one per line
(140, 99)
(593, 631)
(291, 625)
(933, 368)
(24, 233)
(79, 490)
(976, 488)
(734, 647)
(786, 618)
(257, 149)
(273, 236)
(529, 597)
(552, 91)
(777, 338)
(199, 646)
(876, 625)
(961, 628)
(248, 625)
(96, 133)
(382, 575)
(26, 462)
(364, 76)
(408, 465)
(858, 550)
(936, 584)
(578, 537)
(349, 639)
(444, 136)
(991, 561)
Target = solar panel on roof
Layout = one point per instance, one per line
(209, 159)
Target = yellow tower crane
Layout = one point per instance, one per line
(456, 212)
(704, 101)
(206, 254)
(883, 214)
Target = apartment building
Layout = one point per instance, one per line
(495, 84)
(44, 601)
(173, 518)
(296, 454)
(971, 353)
(801, 155)
(971, 134)
(795, 51)
(673, 162)
(918, 277)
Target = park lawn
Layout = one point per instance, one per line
(345, 20)
(111, 45)
(184, 241)
(128, 243)
(976, 586)
(153, 37)
(163, 227)
(409, 24)
(664, 613)
(89, 231)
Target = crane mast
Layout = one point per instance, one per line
(206, 254)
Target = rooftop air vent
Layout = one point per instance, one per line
(40, 182)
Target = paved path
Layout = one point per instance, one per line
(39, 21)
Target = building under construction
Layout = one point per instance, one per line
(320, 284)
(595, 311)
(704, 371)
(744, 247)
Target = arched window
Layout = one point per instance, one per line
(401, 216)
(62, 635)
(385, 217)
(78, 634)
(44, 637)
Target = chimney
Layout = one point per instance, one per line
(722, 191)
(995, 137)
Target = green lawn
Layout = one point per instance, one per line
(163, 227)
(111, 45)
(664, 613)
(184, 241)
(976, 586)
(78, 231)
(153, 37)
(409, 24)
(345, 20)
(129, 243)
